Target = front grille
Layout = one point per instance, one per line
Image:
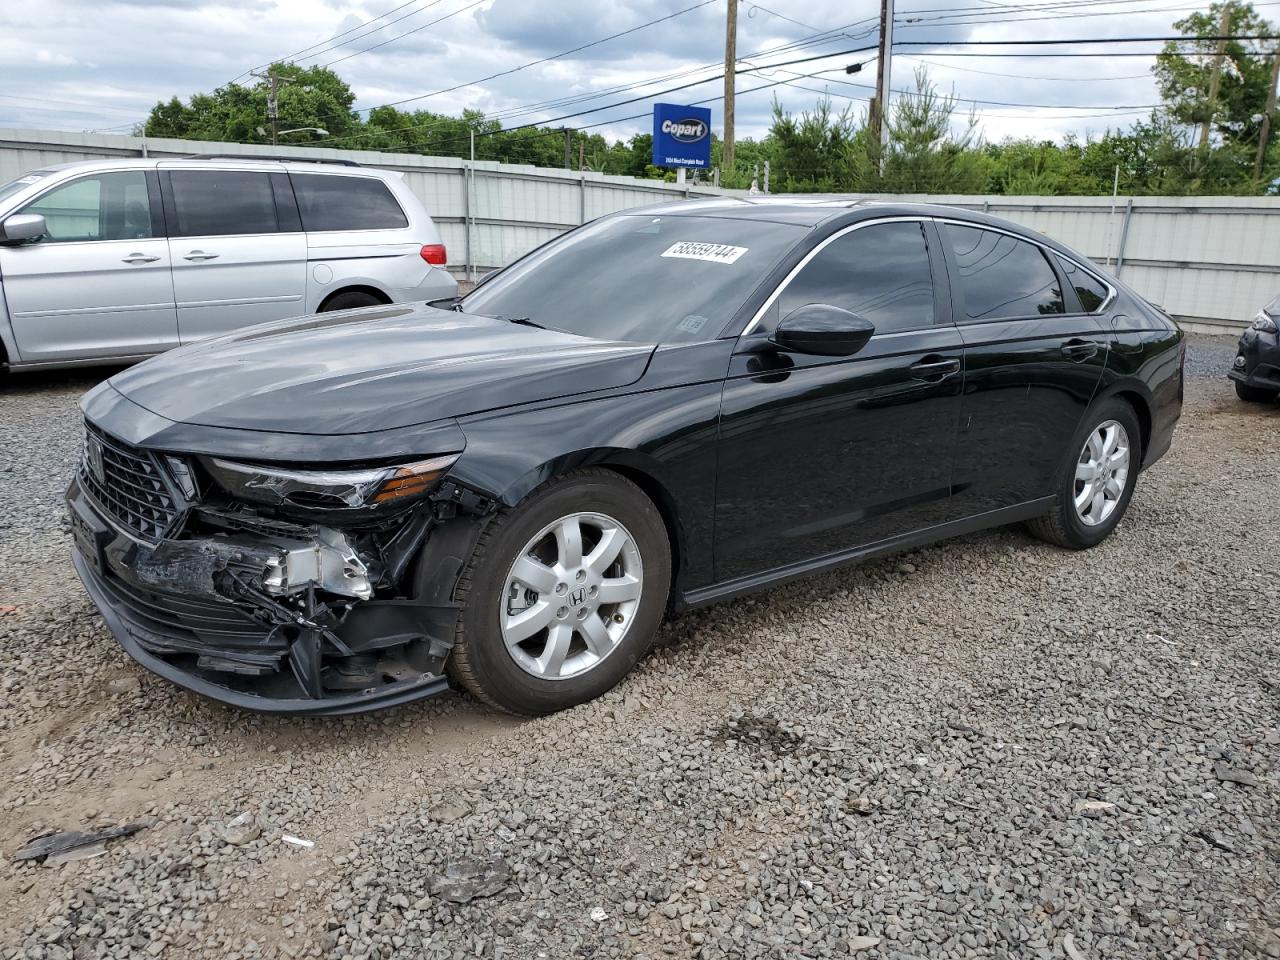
(126, 483)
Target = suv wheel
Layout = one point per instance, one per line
(562, 595)
(1095, 483)
(1255, 394)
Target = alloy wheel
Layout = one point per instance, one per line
(1102, 471)
(571, 595)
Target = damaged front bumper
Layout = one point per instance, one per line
(273, 617)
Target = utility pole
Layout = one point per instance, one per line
(884, 78)
(730, 79)
(568, 146)
(273, 100)
(1264, 135)
(1215, 78)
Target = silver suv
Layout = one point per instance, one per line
(109, 261)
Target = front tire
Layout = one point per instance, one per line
(562, 595)
(1255, 394)
(1095, 483)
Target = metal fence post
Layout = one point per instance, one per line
(582, 198)
(1124, 235)
(466, 217)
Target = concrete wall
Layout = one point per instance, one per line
(1211, 261)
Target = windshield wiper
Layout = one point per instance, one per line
(523, 321)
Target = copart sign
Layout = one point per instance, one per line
(681, 136)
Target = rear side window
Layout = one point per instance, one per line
(331, 202)
(1091, 291)
(1001, 277)
(880, 272)
(107, 206)
(215, 203)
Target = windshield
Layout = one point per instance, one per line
(24, 181)
(647, 278)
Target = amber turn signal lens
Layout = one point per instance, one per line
(410, 481)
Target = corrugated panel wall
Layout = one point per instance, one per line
(1213, 258)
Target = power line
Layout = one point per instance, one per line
(554, 56)
(1023, 76)
(401, 36)
(339, 36)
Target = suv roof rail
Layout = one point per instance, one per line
(245, 156)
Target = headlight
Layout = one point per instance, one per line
(1264, 323)
(332, 489)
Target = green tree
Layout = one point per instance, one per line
(307, 97)
(926, 153)
(1183, 72)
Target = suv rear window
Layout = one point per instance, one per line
(330, 202)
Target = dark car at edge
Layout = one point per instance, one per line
(1256, 368)
(661, 409)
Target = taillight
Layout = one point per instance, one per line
(434, 254)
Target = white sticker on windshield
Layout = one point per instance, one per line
(712, 252)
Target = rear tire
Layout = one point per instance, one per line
(1090, 494)
(591, 629)
(1255, 394)
(350, 300)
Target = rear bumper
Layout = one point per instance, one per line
(211, 646)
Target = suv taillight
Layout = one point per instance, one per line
(434, 254)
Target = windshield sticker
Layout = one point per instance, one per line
(711, 252)
(692, 323)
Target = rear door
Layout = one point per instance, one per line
(1033, 360)
(819, 454)
(238, 250)
(98, 284)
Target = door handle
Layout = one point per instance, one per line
(1080, 350)
(200, 255)
(934, 369)
(139, 258)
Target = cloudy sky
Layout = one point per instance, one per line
(101, 64)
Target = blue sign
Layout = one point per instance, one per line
(681, 136)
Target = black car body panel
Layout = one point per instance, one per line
(764, 464)
(415, 364)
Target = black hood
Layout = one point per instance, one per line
(377, 368)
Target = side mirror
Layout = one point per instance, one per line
(22, 227)
(822, 329)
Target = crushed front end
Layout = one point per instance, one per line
(277, 588)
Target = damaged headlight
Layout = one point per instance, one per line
(328, 489)
(1264, 323)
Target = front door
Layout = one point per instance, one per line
(819, 455)
(1033, 359)
(98, 283)
(239, 253)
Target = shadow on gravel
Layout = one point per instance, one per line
(16, 384)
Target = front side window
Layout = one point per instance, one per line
(1092, 292)
(880, 272)
(217, 203)
(1001, 277)
(109, 206)
(645, 278)
(334, 202)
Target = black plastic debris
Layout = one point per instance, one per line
(60, 847)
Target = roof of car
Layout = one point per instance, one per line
(802, 209)
(215, 160)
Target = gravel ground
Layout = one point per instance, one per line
(988, 748)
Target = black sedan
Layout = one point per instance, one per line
(661, 409)
(1256, 370)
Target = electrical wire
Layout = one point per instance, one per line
(401, 36)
